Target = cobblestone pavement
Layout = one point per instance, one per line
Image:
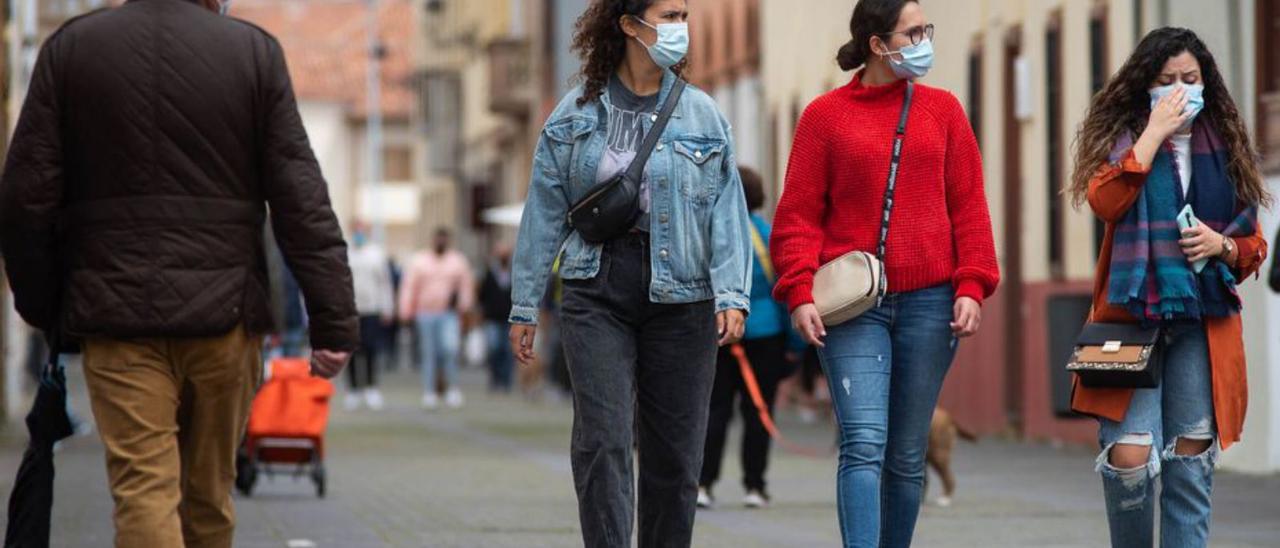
(496, 474)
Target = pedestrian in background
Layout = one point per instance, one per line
(375, 298)
(766, 341)
(153, 141)
(642, 312)
(1162, 135)
(438, 289)
(495, 304)
(885, 367)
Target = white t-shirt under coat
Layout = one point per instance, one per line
(1182, 154)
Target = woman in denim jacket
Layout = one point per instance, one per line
(642, 314)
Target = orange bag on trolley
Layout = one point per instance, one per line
(292, 403)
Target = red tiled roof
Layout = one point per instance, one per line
(326, 46)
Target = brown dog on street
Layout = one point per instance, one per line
(942, 439)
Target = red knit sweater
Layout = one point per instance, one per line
(940, 231)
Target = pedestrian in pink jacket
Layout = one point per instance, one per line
(438, 288)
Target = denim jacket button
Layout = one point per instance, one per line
(659, 147)
(662, 218)
(697, 154)
(653, 118)
(663, 254)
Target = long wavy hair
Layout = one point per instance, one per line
(1124, 106)
(601, 44)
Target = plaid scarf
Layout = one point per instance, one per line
(1150, 276)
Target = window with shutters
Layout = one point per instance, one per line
(975, 89)
(1054, 143)
(1099, 70)
(1268, 82)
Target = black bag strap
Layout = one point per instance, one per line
(889, 188)
(635, 172)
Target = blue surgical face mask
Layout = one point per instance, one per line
(672, 44)
(916, 61)
(1195, 99)
(224, 6)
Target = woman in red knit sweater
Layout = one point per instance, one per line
(886, 367)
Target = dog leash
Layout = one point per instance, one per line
(753, 389)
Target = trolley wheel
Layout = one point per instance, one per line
(246, 474)
(319, 475)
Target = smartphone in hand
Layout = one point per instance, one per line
(1187, 219)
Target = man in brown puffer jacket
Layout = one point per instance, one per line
(154, 139)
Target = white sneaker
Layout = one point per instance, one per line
(453, 398)
(351, 401)
(704, 498)
(430, 401)
(373, 399)
(755, 499)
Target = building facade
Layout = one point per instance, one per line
(329, 51)
(1026, 71)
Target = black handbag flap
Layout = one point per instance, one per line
(1095, 334)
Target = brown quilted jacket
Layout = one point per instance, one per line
(155, 141)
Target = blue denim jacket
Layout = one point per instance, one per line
(699, 227)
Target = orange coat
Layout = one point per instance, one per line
(1111, 193)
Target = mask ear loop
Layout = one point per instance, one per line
(645, 23)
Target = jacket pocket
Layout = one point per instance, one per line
(568, 130)
(699, 175)
(579, 260)
(567, 138)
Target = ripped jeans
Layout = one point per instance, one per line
(1180, 408)
(885, 369)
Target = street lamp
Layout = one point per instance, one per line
(373, 126)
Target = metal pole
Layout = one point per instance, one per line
(374, 124)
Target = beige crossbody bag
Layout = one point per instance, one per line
(855, 282)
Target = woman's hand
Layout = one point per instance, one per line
(730, 325)
(1201, 242)
(522, 343)
(1166, 118)
(808, 322)
(968, 317)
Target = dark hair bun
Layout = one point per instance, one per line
(852, 55)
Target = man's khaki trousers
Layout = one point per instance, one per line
(171, 413)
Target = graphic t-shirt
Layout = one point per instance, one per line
(630, 117)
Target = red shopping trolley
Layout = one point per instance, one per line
(286, 427)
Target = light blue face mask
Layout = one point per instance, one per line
(1195, 99)
(916, 61)
(672, 44)
(224, 7)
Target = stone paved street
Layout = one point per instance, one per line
(496, 474)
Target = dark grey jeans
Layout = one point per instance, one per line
(627, 354)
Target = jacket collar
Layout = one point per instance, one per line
(668, 82)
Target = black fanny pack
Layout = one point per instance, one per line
(611, 208)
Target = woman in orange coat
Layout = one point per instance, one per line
(1164, 134)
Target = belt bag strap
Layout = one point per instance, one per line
(889, 188)
(635, 171)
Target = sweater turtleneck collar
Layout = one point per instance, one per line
(863, 92)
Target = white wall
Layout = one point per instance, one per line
(334, 146)
(748, 122)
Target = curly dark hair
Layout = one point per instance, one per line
(602, 45)
(1124, 106)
